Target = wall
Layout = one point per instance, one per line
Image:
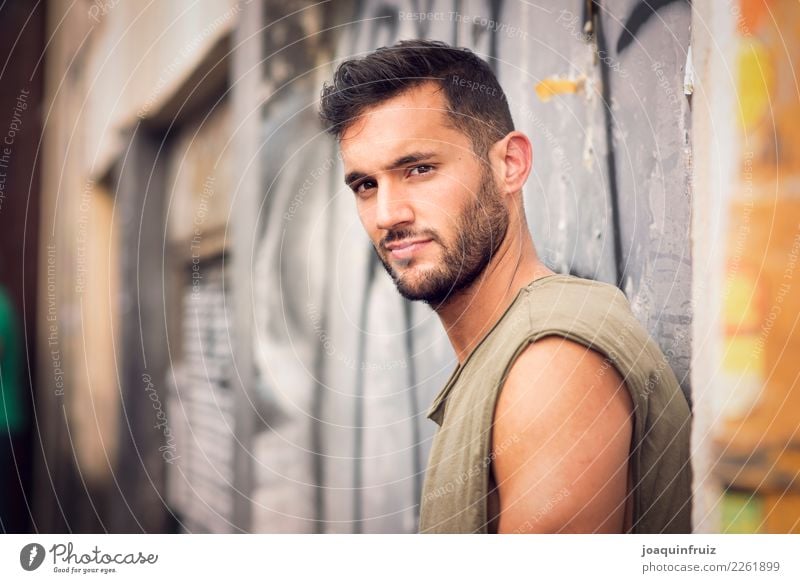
(747, 226)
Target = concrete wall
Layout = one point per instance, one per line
(116, 74)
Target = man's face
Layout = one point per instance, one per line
(430, 207)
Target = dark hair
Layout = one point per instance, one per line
(477, 105)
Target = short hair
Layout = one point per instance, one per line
(476, 103)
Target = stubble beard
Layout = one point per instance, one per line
(480, 229)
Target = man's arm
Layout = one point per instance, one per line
(561, 440)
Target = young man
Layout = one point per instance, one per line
(562, 415)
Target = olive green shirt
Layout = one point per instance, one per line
(458, 482)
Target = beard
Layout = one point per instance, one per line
(480, 229)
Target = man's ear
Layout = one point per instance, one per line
(512, 158)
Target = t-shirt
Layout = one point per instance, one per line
(458, 485)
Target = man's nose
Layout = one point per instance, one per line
(393, 207)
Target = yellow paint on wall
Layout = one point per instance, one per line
(744, 300)
(756, 83)
(743, 356)
(768, 103)
(552, 86)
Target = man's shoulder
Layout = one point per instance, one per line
(560, 385)
(561, 362)
(575, 304)
(578, 327)
(569, 287)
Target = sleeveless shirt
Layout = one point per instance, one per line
(458, 480)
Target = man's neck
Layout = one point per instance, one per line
(469, 315)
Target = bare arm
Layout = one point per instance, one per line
(561, 441)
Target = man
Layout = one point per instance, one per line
(562, 415)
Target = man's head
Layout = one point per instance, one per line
(430, 151)
(475, 102)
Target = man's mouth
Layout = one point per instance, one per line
(405, 249)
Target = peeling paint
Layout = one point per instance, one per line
(552, 86)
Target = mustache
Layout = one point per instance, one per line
(400, 234)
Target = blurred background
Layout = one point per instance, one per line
(195, 335)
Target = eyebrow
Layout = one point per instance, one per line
(398, 163)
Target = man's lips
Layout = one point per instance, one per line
(405, 249)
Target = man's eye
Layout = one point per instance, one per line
(363, 186)
(417, 170)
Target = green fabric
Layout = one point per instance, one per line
(12, 416)
(457, 481)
